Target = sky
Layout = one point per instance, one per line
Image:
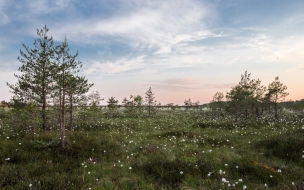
(180, 48)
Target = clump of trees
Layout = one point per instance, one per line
(134, 106)
(249, 98)
(49, 77)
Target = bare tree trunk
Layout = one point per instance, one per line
(275, 110)
(44, 115)
(63, 114)
(71, 113)
(149, 109)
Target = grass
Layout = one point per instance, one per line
(182, 150)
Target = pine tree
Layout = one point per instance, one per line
(35, 82)
(66, 67)
(235, 98)
(77, 88)
(218, 100)
(125, 102)
(94, 102)
(112, 103)
(246, 96)
(150, 100)
(276, 93)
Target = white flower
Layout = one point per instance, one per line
(89, 173)
(30, 185)
(271, 176)
(279, 171)
(7, 159)
(130, 168)
(181, 172)
(293, 183)
(226, 164)
(244, 187)
(224, 180)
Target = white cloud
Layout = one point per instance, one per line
(4, 18)
(7, 76)
(118, 66)
(217, 86)
(180, 81)
(62, 3)
(296, 68)
(43, 7)
(177, 84)
(156, 24)
(187, 84)
(176, 88)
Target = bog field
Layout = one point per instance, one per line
(186, 149)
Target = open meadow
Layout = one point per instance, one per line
(183, 149)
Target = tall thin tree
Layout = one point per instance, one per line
(276, 93)
(76, 90)
(34, 82)
(66, 66)
(150, 100)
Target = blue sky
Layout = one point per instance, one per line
(182, 49)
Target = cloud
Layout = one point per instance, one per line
(297, 68)
(185, 84)
(225, 85)
(180, 81)
(161, 25)
(4, 17)
(43, 7)
(118, 66)
(176, 84)
(168, 87)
